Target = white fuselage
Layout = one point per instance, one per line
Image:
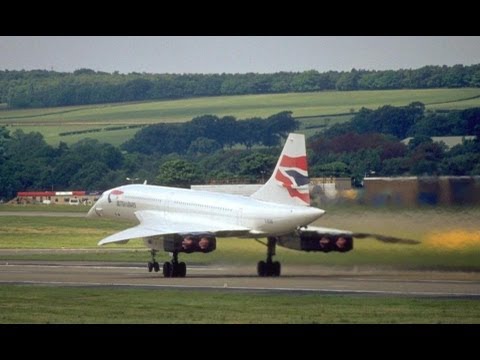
(261, 217)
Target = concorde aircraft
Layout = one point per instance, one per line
(184, 221)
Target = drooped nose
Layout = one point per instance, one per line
(96, 210)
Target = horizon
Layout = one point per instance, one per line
(234, 54)
(101, 72)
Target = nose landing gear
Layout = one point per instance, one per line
(153, 265)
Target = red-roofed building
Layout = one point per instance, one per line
(57, 197)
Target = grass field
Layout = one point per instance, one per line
(311, 125)
(36, 304)
(450, 240)
(52, 137)
(52, 121)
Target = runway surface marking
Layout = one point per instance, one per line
(296, 278)
(249, 288)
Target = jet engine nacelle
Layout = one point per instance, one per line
(317, 241)
(188, 243)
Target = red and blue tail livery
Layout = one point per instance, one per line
(292, 175)
(289, 182)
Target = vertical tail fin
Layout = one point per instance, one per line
(289, 182)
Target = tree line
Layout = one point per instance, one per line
(209, 133)
(42, 88)
(411, 120)
(371, 143)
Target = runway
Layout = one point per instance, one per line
(295, 278)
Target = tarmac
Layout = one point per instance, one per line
(295, 278)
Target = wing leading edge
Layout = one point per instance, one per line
(152, 223)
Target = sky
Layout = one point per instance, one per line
(217, 54)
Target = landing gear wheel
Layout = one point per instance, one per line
(174, 272)
(276, 268)
(153, 265)
(261, 268)
(182, 269)
(269, 267)
(174, 268)
(167, 269)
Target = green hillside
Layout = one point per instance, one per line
(317, 105)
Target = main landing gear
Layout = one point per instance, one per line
(269, 267)
(174, 268)
(153, 265)
(170, 268)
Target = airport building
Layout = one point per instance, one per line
(413, 190)
(57, 197)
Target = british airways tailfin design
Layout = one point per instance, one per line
(288, 184)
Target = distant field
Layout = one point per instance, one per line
(53, 121)
(311, 125)
(449, 141)
(51, 134)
